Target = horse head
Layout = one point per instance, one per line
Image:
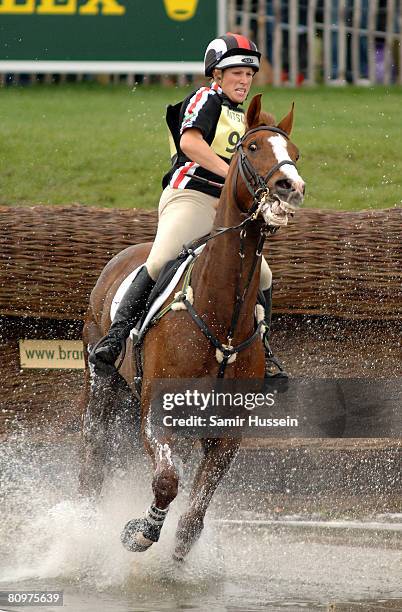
(267, 180)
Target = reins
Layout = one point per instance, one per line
(257, 193)
(257, 186)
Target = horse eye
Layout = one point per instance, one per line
(253, 147)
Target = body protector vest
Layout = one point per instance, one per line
(222, 125)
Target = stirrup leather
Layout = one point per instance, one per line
(272, 363)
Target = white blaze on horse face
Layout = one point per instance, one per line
(280, 150)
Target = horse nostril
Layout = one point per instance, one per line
(284, 184)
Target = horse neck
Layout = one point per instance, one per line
(216, 275)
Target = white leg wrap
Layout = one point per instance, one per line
(156, 516)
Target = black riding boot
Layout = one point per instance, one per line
(273, 367)
(130, 310)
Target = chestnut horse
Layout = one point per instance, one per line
(262, 188)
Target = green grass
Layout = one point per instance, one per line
(107, 146)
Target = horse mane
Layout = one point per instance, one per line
(264, 119)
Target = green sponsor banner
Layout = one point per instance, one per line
(108, 30)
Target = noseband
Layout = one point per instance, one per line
(256, 184)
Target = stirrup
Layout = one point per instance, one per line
(273, 367)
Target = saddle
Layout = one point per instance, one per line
(168, 278)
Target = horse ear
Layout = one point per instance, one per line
(253, 112)
(287, 122)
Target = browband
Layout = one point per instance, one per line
(268, 128)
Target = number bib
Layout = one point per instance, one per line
(229, 130)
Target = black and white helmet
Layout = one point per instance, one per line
(229, 51)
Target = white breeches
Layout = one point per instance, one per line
(184, 216)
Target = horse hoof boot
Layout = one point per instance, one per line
(186, 539)
(132, 536)
(138, 535)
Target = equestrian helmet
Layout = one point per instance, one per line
(230, 51)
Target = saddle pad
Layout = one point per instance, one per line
(159, 301)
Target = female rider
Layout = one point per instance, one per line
(205, 128)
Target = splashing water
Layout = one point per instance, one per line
(53, 539)
(48, 531)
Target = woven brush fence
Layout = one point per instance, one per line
(326, 263)
(346, 264)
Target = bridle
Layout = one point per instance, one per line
(256, 184)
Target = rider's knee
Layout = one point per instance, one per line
(154, 266)
(266, 275)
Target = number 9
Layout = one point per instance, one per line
(233, 140)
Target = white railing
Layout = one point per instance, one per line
(329, 41)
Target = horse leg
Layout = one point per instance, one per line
(139, 534)
(218, 455)
(123, 427)
(100, 398)
(98, 409)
